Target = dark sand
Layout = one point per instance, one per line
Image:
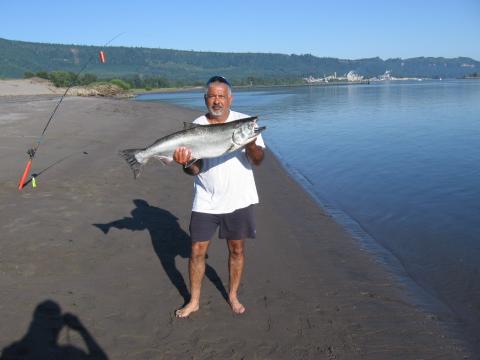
(113, 252)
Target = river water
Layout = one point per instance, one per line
(399, 160)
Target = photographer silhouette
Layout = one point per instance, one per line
(41, 339)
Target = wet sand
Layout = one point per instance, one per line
(113, 251)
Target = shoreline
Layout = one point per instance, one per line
(40, 87)
(309, 288)
(456, 302)
(140, 91)
(417, 294)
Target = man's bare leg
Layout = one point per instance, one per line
(235, 267)
(196, 270)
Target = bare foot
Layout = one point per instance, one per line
(186, 310)
(236, 306)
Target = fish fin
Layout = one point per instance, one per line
(164, 159)
(190, 163)
(187, 125)
(130, 158)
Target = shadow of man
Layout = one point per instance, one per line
(41, 340)
(168, 240)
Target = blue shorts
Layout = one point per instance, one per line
(237, 225)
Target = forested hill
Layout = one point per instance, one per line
(18, 57)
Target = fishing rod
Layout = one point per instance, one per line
(32, 151)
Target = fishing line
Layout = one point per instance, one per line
(32, 151)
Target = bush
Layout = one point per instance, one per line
(63, 78)
(42, 74)
(120, 83)
(28, 75)
(87, 79)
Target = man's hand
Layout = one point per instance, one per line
(254, 152)
(183, 156)
(72, 322)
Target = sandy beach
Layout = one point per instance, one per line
(91, 241)
(33, 86)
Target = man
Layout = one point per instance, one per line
(224, 195)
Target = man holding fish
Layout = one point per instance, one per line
(224, 196)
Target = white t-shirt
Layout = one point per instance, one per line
(225, 183)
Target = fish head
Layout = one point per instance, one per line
(246, 130)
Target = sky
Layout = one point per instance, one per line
(344, 29)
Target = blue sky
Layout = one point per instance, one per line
(342, 28)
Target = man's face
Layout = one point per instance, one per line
(217, 99)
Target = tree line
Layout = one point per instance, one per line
(157, 67)
(68, 78)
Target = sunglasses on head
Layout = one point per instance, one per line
(220, 79)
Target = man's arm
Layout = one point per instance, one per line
(194, 169)
(182, 155)
(255, 153)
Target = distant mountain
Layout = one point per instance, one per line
(18, 57)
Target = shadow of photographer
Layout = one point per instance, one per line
(41, 340)
(168, 240)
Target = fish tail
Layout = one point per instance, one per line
(131, 159)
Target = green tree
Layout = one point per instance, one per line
(120, 83)
(42, 74)
(63, 78)
(87, 79)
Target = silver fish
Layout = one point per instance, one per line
(204, 141)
